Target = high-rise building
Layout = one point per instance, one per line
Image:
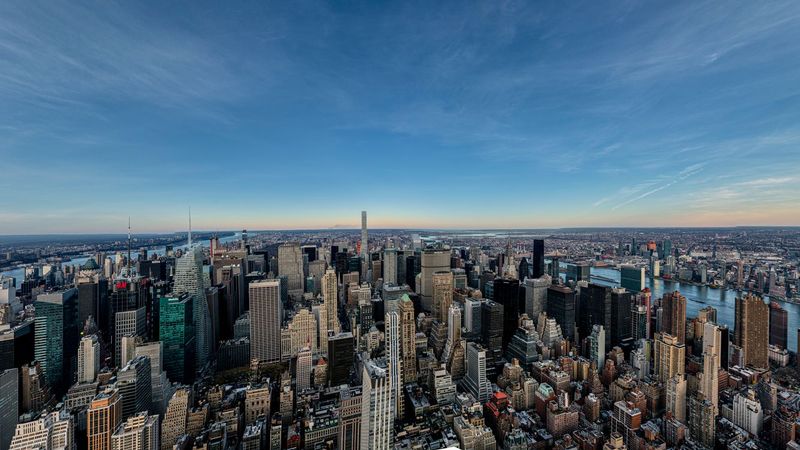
(442, 294)
(752, 330)
(390, 266)
(88, 358)
(55, 430)
(364, 244)
(712, 346)
(290, 265)
(621, 304)
(174, 424)
(597, 345)
(433, 260)
(670, 356)
(377, 406)
(134, 384)
(673, 320)
(561, 306)
(595, 309)
(160, 384)
(676, 397)
(190, 278)
(778, 325)
(492, 322)
(304, 368)
(102, 419)
(176, 330)
(626, 420)
(266, 313)
(57, 334)
(476, 381)
(538, 258)
(506, 293)
(330, 297)
(140, 432)
(535, 295)
(130, 323)
(748, 412)
(408, 332)
(9, 405)
(632, 277)
(394, 361)
(340, 358)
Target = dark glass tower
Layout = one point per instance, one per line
(176, 332)
(506, 293)
(340, 358)
(561, 306)
(538, 258)
(594, 308)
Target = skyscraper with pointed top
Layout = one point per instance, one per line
(189, 277)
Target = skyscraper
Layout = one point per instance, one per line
(102, 419)
(340, 358)
(778, 325)
(408, 331)
(128, 323)
(304, 369)
(55, 430)
(290, 265)
(140, 432)
(266, 313)
(377, 406)
(394, 359)
(752, 330)
(673, 305)
(189, 278)
(9, 405)
(364, 245)
(506, 293)
(535, 295)
(433, 260)
(176, 330)
(632, 277)
(676, 397)
(57, 337)
(597, 345)
(595, 309)
(442, 294)
(712, 346)
(174, 424)
(88, 358)
(561, 306)
(670, 357)
(538, 258)
(476, 381)
(134, 384)
(390, 265)
(330, 296)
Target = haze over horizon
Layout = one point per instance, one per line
(441, 115)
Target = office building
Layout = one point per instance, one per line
(340, 358)
(390, 266)
(160, 384)
(433, 260)
(442, 295)
(778, 325)
(476, 381)
(632, 277)
(506, 293)
(304, 369)
(535, 295)
(712, 346)
(538, 258)
(595, 309)
(408, 332)
(88, 358)
(597, 345)
(190, 278)
(670, 356)
(130, 323)
(57, 335)
(9, 405)
(377, 406)
(176, 330)
(103, 418)
(174, 424)
(330, 298)
(135, 386)
(561, 306)
(290, 265)
(266, 313)
(53, 431)
(394, 360)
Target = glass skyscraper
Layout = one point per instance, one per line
(177, 334)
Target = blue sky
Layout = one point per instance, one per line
(427, 114)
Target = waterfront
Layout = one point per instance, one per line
(698, 297)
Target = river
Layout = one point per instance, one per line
(697, 297)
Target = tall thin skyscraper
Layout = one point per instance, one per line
(432, 260)
(408, 330)
(9, 405)
(364, 245)
(390, 266)
(266, 313)
(752, 330)
(330, 297)
(670, 357)
(506, 293)
(476, 381)
(442, 294)
(304, 369)
(177, 333)
(538, 258)
(394, 361)
(712, 346)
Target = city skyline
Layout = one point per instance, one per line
(278, 117)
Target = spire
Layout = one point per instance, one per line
(129, 246)
(190, 226)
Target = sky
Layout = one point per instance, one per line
(278, 115)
